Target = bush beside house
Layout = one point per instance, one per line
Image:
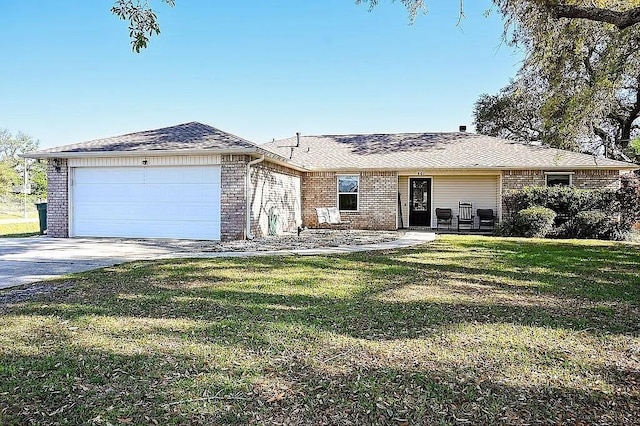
(568, 212)
(531, 222)
(629, 198)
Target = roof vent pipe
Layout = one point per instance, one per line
(297, 139)
(463, 129)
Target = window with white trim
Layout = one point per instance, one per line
(559, 179)
(348, 186)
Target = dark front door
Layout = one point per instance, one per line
(420, 202)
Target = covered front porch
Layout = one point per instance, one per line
(421, 193)
(453, 231)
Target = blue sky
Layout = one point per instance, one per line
(257, 68)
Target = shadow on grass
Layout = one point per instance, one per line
(343, 294)
(20, 235)
(67, 383)
(270, 314)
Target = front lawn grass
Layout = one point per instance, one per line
(19, 215)
(22, 229)
(464, 330)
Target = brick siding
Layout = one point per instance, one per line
(594, 179)
(378, 199)
(584, 179)
(58, 199)
(276, 191)
(518, 179)
(282, 190)
(232, 197)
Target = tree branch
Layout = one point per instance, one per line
(621, 20)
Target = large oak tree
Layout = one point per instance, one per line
(579, 88)
(143, 21)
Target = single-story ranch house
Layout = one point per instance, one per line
(195, 181)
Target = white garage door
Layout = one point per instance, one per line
(151, 202)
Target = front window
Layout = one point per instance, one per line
(559, 179)
(348, 192)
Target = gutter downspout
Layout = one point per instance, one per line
(247, 181)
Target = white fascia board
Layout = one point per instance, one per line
(479, 169)
(272, 157)
(150, 153)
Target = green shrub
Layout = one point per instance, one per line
(591, 224)
(628, 196)
(532, 222)
(566, 201)
(580, 213)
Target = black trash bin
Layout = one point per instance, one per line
(42, 215)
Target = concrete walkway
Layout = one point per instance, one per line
(28, 260)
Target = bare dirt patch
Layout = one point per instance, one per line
(308, 239)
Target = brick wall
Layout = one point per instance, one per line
(233, 201)
(276, 191)
(594, 179)
(518, 179)
(276, 186)
(58, 200)
(378, 199)
(585, 179)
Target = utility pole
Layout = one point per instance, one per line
(24, 189)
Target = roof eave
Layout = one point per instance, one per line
(137, 153)
(630, 167)
(273, 157)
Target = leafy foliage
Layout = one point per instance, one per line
(566, 201)
(580, 213)
(584, 81)
(531, 222)
(513, 113)
(634, 150)
(143, 21)
(594, 224)
(629, 199)
(8, 177)
(619, 13)
(38, 179)
(10, 148)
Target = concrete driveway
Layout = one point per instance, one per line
(26, 260)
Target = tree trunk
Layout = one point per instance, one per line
(621, 20)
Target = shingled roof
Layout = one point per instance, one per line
(183, 138)
(406, 151)
(401, 151)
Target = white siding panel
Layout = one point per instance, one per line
(403, 188)
(152, 202)
(174, 160)
(482, 191)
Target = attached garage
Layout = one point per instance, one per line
(189, 181)
(146, 202)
